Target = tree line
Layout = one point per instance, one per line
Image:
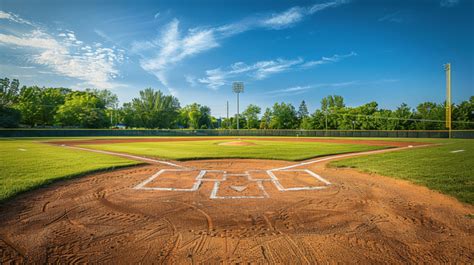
(33, 106)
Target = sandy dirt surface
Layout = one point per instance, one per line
(237, 143)
(288, 139)
(358, 218)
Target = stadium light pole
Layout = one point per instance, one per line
(447, 68)
(238, 87)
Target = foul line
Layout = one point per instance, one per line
(125, 155)
(347, 155)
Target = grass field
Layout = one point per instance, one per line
(434, 167)
(291, 151)
(26, 164)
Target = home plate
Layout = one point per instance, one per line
(238, 188)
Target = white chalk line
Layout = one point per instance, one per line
(125, 155)
(457, 151)
(200, 177)
(347, 155)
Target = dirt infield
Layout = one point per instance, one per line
(235, 211)
(289, 139)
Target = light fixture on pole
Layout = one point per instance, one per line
(238, 87)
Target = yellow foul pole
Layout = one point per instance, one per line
(447, 68)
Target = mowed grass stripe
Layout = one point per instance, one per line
(210, 149)
(434, 167)
(25, 164)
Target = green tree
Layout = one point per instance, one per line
(205, 118)
(402, 116)
(429, 111)
(251, 116)
(29, 104)
(9, 116)
(50, 101)
(82, 109)
(464, 113)
(8, 92)
(283, 116)
(155, 110)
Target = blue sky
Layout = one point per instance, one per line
(285, 51)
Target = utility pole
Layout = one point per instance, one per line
(447, 68)
(238, 87)
(228, 121)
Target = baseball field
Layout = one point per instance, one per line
(236, 200)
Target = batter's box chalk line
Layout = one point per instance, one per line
(269, 176)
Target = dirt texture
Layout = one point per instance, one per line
(237, 143)
(288, 139)
(358, 218)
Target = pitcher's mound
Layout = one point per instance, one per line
(237, 143)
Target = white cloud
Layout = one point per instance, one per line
(448, 3)
(160, 54)
(286, 18)
(216, 78)
(65, 55)
(326, 60)
(296, 14)
(170, 48)
(295, 90)
(290, 90)
(14, 18)
(392, 17)
(191, 80)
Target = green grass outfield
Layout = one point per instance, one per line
(209, 149)
(434, 167)
(27, 164)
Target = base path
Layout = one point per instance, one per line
(235, 211)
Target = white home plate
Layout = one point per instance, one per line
(238, 188)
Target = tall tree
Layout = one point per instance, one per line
(283, 116)
(9, 116)
(29, 104)
(303, 116)
(266, 118)
(251, 116)
(155, 110)
(82, 109)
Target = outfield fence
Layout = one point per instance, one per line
(464, 134)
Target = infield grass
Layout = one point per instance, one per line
(209, 149)
(26, 164)
(434, 167)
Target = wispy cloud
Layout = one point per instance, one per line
(296, 14)
(216, 78)
(325, 60)
(192, 81)
(448, 3)
(14, 18)
(172, 45)
(65, 55)
(296, 90)
(392, 17)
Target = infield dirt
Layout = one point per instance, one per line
(359, 218)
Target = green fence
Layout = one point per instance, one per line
(466, 134)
